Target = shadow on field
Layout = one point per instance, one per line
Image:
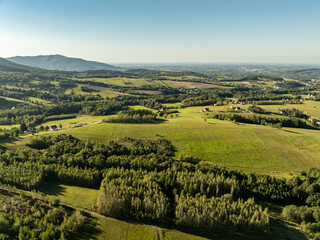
(290, 131)
(52, 188)
(279, 230)
(9, 140)
(90, 230)
(157, 121)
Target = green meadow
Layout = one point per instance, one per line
(39, 100)
(248, 147)
(119, 81)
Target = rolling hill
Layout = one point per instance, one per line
(59, 62)
(9, 66)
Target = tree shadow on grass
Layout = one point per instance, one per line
(279, 230)
(90, 230)
(283, 230)
(9, 140)
(157, 121)
(53, 188)
(290, 131)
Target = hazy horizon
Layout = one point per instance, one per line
(163, 32)
(180, 63)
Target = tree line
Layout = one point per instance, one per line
(264, 120)
(141, 179)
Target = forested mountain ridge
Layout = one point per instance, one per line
(8, 66)
(59, 62)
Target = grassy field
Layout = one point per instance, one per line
(241, 146)
(75, 196)
(190, 85)
(127, 82)
(121, 81)
(16, 100)
(136, 107)
(39, 100)
(11, 102)
(248, 147)
(310, 107)
(102, 91)
(9, 126)
(113, 229)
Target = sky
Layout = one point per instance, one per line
(163, 31)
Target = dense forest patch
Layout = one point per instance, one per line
(141, 180)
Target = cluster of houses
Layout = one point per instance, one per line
(296, 101)
(30, 131)
(232, 108)
(163, 109)
(242, 103)
(188, 90)
(205, 110)
(314, 120)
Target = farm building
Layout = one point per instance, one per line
(311, 119)
(205, 110)
(54, 128)
(235, 108)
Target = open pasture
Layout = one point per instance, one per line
(241, 146)
(190, 85)
(121, 81)
(247, 147)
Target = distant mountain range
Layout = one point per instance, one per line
(59, 62)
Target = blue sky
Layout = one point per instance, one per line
(116, 31)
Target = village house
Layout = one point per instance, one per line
(205, 110)
(27, 132)
(54, 128)
(235, 108)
